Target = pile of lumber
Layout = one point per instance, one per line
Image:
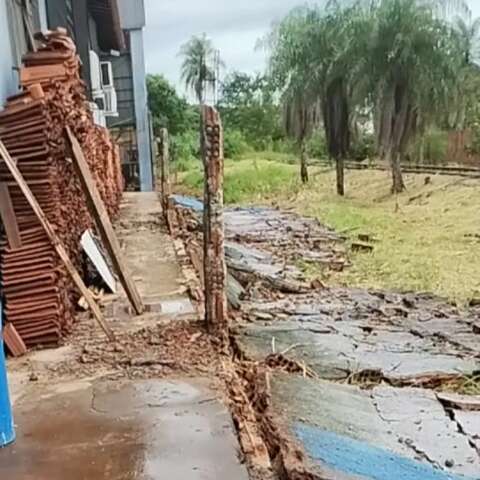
(39, 295)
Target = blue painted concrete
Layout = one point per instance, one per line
(188, 202)
(356, 458)
(7, 432)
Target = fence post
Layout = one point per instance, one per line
(215, 270)
(164, 168)
(7, 432)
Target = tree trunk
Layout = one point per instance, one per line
(340, 164)
(303, 162)
(398, 185)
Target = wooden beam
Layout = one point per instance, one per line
(9, 219)
(62, 253)
(102, 220)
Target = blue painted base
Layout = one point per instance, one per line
(7, 432)
(356, 458)
(188, 202)
(7, 438)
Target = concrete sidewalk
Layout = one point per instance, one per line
(80, 419)
(142, 430)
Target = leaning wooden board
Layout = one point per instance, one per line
(7, 214)
(102, 220)
(60, 249)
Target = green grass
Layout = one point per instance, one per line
(249, 180)
(425, 244)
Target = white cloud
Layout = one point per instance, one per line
(234, 26)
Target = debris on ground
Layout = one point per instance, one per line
(393, 356)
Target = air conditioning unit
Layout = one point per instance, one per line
(95, 72)
(108, 86)
(111, 104)
(98, 115)
(100, 99)
(107, 74)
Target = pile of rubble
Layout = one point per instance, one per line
(265, 248)
(39, 294)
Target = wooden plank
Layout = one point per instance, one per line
(62, 253)
(13, 341)
(102, 220)
(9, 219)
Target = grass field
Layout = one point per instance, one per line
(427, 239)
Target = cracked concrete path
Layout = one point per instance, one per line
(142, 430)
(376, 408)
(383, 434)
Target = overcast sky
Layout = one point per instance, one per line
(234, 25)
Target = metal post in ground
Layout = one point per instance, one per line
(215, 270)
(7, 432)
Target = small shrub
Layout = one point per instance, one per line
(435, 147)
(317, 145)
(363, 148)
(185, 150)
(235, 144)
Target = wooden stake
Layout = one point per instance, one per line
(9, 219)
(62, 253)
(102, 220)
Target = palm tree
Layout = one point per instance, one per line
(301, 115)
(413, 67)
(468, 32)
(198, 65)
(289, 68)
(314, 55)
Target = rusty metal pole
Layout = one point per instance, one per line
(164, 168)
(215, 270)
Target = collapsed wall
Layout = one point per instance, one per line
(40, 297)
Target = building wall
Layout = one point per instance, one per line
(60, 14)
(141, 110)
(80, 18)
(132, 14)
(8, 76)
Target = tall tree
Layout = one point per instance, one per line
(301, 115)
(315, 57)
(168, 109)
(413, 64)
(198, 65)
(248, 106)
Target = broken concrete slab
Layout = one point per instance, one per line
(123, 431)
(398, 357)
(338, 333)
(383, 434)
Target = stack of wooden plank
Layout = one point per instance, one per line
(40, 297)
